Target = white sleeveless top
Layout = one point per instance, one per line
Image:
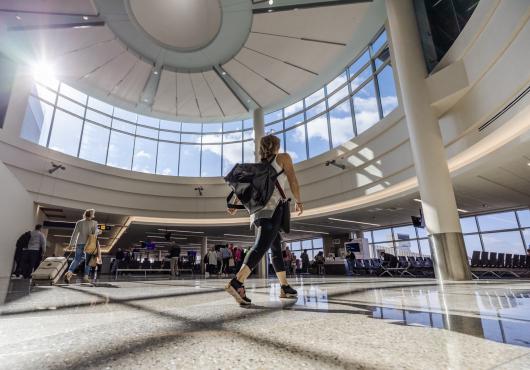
(270, 207)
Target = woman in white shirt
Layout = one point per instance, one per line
(83, 229)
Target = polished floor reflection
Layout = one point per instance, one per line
(335, 323)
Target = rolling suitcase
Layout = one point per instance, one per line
(49, 271)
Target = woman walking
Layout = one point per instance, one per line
(268, 221)
(83, 229)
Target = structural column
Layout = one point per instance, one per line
(436, 190)
(204, 251)
(259, 132)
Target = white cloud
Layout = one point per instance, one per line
(143, 154)
(166, 171)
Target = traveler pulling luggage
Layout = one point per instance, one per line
(84, 240)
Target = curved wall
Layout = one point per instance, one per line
(494, 65)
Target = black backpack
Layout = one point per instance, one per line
(253, 184)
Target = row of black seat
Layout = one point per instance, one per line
(499, 260)
(374, 264)
(143, 265)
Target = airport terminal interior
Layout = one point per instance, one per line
(378, 152)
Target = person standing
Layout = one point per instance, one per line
(34, 252)
(83, 229)
(226, 255)
(212, 262)
(305, 261)
(350, 260)
(268, 221)
(174, 254)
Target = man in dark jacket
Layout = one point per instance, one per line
(22, 243)
(174, 254)
(389, 260)
(305, 261)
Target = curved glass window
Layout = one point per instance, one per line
(61, 118)
(347, 106)
(67, 120)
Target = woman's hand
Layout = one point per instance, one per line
(299, 207)
(231, 211)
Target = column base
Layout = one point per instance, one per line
(450, 257)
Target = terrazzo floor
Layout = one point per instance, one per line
(336, 323)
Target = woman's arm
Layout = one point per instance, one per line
(75, 235)
(287, 164)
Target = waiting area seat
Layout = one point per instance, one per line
(145, 267)
(499, 264)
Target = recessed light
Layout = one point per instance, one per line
(223, 73)
(271, 2)
(528, 164)
(85, 18)
(155, 72)
(18, 17)
(270, 10)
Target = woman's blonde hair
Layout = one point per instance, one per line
(89, 214)
(268, 146)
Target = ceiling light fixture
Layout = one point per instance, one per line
(310, 231)
(246, 236)
(155, 72)
(528, 164)
(182, 231)
(417, 200)
(353, 222)
(85, 18)
(18, 17)
(271, 2)
(223, 73)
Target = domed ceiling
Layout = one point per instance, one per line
(193, 59)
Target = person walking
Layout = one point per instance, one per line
(83, 229)
(268, 221)
(34, 252)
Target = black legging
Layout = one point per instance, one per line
(268, 236)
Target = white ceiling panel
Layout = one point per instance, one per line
(82, 62)
(166, 94)
(207, 105)
(186, 101)
(333, 23)
(310, 55)
(53, 43)
(131, 87)
(107, 76)
(83, 7)
(260, 90)
(287, 77)
(227, 100)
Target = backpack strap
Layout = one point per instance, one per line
(282, 193)
(232, 205)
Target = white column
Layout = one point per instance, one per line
(18, 101)
(436, 190)
(259, 132)
(204, 251)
